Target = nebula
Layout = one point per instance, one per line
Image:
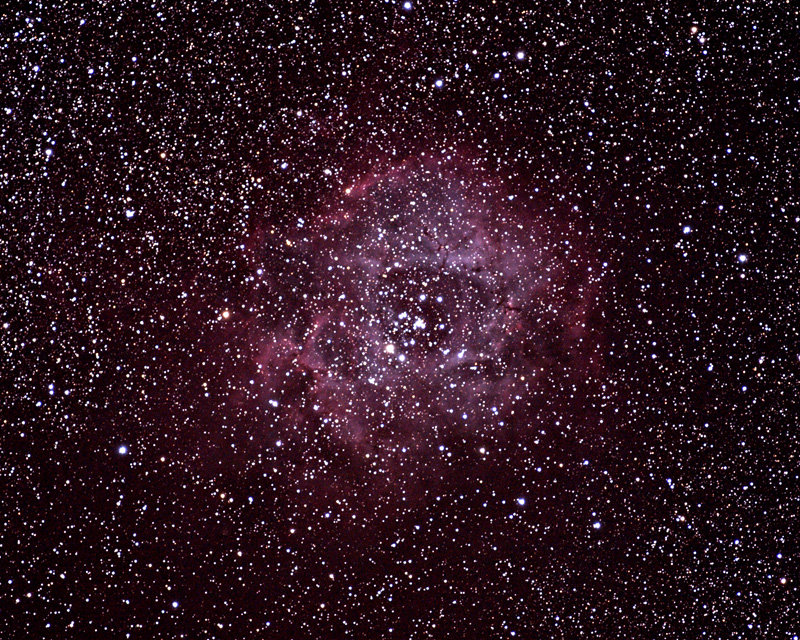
(426, 304)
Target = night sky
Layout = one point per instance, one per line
(400, 320)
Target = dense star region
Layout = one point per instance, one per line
(399, 320)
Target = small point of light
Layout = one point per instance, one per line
(520, 55)
(279, 443)
(521, 502)
(123, 450)
(48, 152)
(439, 83)
(596, 525)
(129, 213)
(407, 6)
(174, 604)
(226, 314)
(687, 229)
(742, 257)
(389, 348)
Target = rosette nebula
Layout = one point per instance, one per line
(427, 306)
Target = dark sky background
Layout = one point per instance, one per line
(399, 320)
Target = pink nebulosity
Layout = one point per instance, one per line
(425, 305)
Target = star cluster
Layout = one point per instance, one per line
(399, 320)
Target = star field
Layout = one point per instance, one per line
(399, 320)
